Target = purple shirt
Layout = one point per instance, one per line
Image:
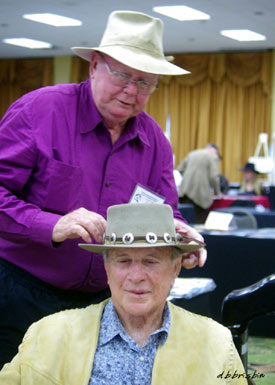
(56, 156)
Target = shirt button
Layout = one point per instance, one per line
(107, 184)
(141, 358)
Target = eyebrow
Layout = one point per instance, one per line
(124, 71)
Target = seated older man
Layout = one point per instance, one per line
(136, 337)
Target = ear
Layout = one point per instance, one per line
(93, 63)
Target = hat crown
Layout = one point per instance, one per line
(140, 219)
(249, 167)
(134, 39)
(134, 29)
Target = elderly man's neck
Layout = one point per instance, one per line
(115, 131)
(140, 327)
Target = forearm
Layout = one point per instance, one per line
(21, 220)
(168, 187)
(214, 177)
(217, 189)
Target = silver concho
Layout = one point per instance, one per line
(178, 237)
(113, 238)
(151, 237)
(128, 238)
(167, 237)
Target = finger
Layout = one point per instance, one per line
(96, 229)
(79, 231)
(191, 232)
(202, 257)
(190, 261)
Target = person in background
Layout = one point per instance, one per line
(224, 184)
(136, 337)
(250, 184)
(200, 179)
(67, 153)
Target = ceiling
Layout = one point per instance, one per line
(185, 37)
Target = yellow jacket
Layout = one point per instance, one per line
(59, 350)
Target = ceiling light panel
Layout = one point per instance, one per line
(242, 35)
(52, 19)
(181, 12)
(27, 43)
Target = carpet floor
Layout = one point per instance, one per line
(261, 360)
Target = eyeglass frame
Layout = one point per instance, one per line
(129, 80)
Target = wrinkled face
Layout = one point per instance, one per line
(140, 279)
(117, 104)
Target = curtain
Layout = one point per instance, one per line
(225, 100)
(158, 105)
(80, 70)
(19, 76)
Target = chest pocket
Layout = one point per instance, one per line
(57, 186)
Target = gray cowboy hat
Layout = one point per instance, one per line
(141, 225)
(134, 39)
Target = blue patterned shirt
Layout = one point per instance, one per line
(118, 359)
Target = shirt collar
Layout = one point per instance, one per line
(90, 117)
(111, 326)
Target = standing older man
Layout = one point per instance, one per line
(67, 153)
(136, 337)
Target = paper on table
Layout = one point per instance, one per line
(191, 287)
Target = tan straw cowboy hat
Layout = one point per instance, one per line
(139, 225)
(134, 39)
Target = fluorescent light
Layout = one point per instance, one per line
(52, 19)
(242, 35)
(27, 43)
(181, 12)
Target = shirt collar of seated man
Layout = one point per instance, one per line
(140, 281)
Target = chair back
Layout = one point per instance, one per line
(244, 219)
(241, 306)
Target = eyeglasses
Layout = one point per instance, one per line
(122, 79)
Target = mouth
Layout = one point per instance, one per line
(138, 293)
(124, 104)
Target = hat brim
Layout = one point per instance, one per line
(184, 248)
(249, 169)
(135, 58)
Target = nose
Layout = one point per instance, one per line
(136, 273)
(131, 87)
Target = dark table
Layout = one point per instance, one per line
(264, 218)
(235, 262)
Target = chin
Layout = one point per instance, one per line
(137, 308)
(121, 114)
